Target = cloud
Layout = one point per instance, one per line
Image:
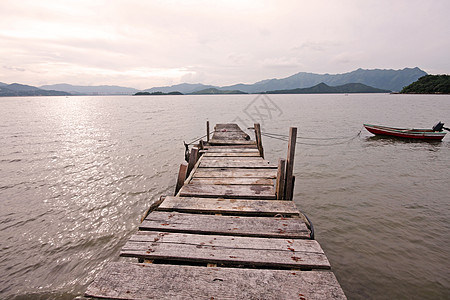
(12, 68)
(221, 42)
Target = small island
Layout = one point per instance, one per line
(429, 84)
(156, 93)
(214, 91)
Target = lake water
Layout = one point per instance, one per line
(77, 173)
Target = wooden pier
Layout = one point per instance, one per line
(229, 232)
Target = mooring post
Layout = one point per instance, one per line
(181, 177)
(258, 139)
(289, 190)
(192, 160)
(280, 179)
(207, 131)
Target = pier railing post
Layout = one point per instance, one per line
(258, 139)
(289, 190)
(207, 131)
(181, 177)
(192, 159)
(281, 179)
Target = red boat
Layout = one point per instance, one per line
(434, 134)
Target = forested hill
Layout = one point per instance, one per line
(323, 88)
(429, 84)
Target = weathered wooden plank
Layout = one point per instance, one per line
(230, 136)
(225, 172)
(228, 191)
(231, 154)
(228, 163)
(250, 146)
(231, 142)
(227, 126)
(245, 159)
(158, 281)
(212, 149)
(232, 180)
(226, 225)
(229, 206)
(226, 250)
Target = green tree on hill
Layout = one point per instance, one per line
(429, 84)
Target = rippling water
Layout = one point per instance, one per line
(77, 174)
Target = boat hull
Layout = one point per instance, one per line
(417, 134)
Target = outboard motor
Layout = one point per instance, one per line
(438, 127)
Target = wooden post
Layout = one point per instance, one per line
(258, 139)
(192, 159)
(280, 179)
(181, 177)
(152, 207)
(289, 190)
(207, 131)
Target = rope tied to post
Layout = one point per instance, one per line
(285, 138)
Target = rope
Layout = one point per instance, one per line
(198, 139)
(285, 138)
(311, 138)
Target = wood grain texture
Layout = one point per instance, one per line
(221, 147)
(228, 172)
(157, 281)
(231, 154)
(227, 126)
(281, 182)
(229, 158)
(228, 191)
(212, 149)
(230, 163)
(229, 206)
(232, 181)
(226, 250)
(214, 141)
(226, 225)
(230, 135)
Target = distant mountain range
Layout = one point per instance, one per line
(323, 88)
(389, 80)
(91, 90)
(392, 80)
(15, 89)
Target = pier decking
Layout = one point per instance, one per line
(228, 233)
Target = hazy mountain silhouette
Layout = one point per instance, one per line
(91, 90)
(323, 88)
(185, 88)
(392, 80)
(16, 89)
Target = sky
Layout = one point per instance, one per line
(143, 44)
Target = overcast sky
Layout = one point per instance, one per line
(143, 44)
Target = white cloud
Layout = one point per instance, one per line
(142, 43)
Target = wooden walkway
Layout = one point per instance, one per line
(227, 233)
